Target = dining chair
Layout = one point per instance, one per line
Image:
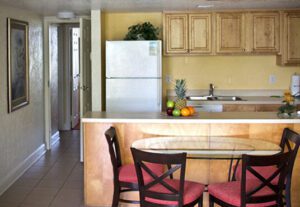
(259, 192)
(290, 142)
(163, 191)
(125, 179)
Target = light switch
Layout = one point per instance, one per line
(168, 78)
(272, 79)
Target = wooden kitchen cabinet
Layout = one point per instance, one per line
(230, 32)
(187, 33)
(265, 32)
(200, 29)
(251, 107)
(239, 108)
(290, 39)
(267, 107)
(176, 33)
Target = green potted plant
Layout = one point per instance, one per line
(144, 31)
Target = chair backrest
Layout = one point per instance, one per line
(290, 142)
(264, 189)
(167, 192)
(114, 151)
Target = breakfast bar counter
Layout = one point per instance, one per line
(130, 127)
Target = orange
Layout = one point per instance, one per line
(185, 112)
(192, 110)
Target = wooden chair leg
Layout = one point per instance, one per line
(288, 197)
(116, 198)
(211, 201)
(200, 203)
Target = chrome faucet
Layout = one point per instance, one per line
(211, 90)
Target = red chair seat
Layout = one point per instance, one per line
(192, 191)
(266, 172)
(127, 172)
(230, 192)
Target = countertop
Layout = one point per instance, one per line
(201, 117)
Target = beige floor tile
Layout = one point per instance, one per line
(68, 198)
(55, 180)
(73, 184)
(26, 182)
(15, 195)
(51, 183)
(41, 196)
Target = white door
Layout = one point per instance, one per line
(75, 77)
(85, 73)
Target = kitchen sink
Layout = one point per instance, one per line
(214, 98)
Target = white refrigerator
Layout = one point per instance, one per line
(133, 76)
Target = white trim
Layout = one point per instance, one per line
(96, 60)
(18, 171)
(54, 138)
(47, 90)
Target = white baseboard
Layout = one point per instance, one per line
(18, 171)
(54, 138)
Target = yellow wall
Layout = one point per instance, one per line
(226, 72)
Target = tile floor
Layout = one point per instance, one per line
(55, 180)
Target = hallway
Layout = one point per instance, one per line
(55, 180)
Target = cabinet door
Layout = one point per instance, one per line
(265, 32)
(291, 38)
(267, 107)
(239, 107)
(200, 33)
(230, 32)
(175, 33)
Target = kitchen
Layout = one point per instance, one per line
(243, 75)
(26, 135)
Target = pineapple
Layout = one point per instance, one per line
(180, 90)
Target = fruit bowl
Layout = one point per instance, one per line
(184, 111)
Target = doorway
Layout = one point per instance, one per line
(64, 77)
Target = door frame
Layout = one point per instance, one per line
(47, 74)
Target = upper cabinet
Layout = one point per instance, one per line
(290, 39)
(264, 28)
(230, 33)
(187, 33)
(200, 33)
(235, 32)
(176, 33)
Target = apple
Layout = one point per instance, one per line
(176, 112)
(170, 104)
(170, 111)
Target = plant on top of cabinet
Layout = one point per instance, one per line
(231, 32)
(290, 54)
(265, 32)
(145, 31)
(186, 33)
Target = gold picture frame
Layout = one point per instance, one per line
(18, 64)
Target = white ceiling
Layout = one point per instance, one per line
(83, 7)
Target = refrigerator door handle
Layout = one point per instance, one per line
(159, 59)
(159, 94)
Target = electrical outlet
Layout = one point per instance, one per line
(272, 79)
(168, 78)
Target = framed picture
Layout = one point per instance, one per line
(18, 63)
